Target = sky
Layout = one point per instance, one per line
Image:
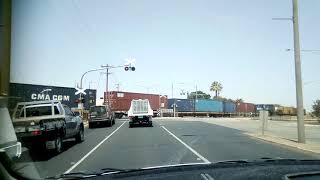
(187, 43)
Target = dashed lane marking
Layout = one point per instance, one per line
(187, 146)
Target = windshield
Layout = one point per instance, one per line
(137, 84)
(98, 110)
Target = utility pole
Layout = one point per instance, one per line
(299, 94)
(107, 83)
(174, 101)
(118, 86)
(107, 99)
(195, 100)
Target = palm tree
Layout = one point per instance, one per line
(240, 100)
(216, 87)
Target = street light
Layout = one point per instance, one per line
(305, 50)
(80, 105)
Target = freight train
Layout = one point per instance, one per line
(210, 107)
(277, 110)
(120, 101)
(218, 108)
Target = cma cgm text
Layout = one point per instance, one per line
(48, 97)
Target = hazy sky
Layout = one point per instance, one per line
(235, 42)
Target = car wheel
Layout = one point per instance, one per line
(130, 125)
(109, 123)
(150, 124)
(80, 136)
(58, 145)
(90, 125)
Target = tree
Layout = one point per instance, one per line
(223, 99)
(216, 87)
(316, 108)
(200, 95)
(239, 101)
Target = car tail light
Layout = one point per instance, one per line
(36, 132)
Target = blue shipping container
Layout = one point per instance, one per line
(183, 105)
(208, 105)
(229, 107)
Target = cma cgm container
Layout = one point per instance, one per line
(229, 107)
(33, 92)
(183, 105)
(246, 108)
(203, 105)
(120, 101)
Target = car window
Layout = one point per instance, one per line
(68, 111)
(38, 111)
(98, 110)
(56, 110)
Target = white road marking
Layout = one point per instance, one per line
(206, 176)
(187, 146)
(90, 152)
(209, 177)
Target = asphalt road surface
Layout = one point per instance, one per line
(168, 142)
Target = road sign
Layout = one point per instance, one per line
(80, 91)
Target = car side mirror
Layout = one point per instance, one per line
(76, 114)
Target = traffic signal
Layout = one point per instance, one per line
(83, 100)
(129, 67)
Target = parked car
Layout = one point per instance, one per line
(101, 115)
(44, 124)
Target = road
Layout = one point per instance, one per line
(168, 142)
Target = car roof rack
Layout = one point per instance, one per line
(39, 102)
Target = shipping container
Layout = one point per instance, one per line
(121, 101)
(32, 92)
(229, 107)
(286, 111)
(183, 105)
(268, 107)
(203, 105)
(246, 108)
